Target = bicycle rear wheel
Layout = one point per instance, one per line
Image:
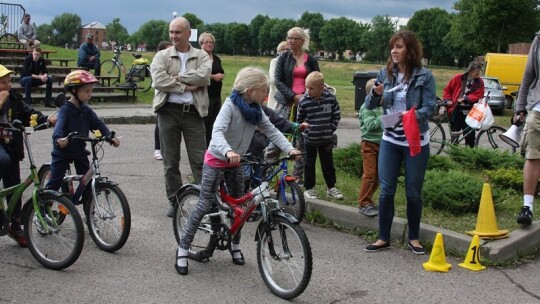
(109, 68)
(58, 242)
(9, 38)
(490, 139)
(291, 198)
(437, 137)
(109, 218)
(288, 272)
(146, 81)
(205, 241)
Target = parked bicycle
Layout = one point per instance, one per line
(487, 139)
(283, 250)
(138, 75)
(107, 211)
(5, 36)
(52, 225)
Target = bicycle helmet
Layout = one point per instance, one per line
(78, 78)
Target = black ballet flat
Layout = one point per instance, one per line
(181, 270)
(240, 260)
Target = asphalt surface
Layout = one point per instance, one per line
(143, 272)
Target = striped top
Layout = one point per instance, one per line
(322, 114)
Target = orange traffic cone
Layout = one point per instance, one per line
(472, 260)
(437, 258)
(486, 223)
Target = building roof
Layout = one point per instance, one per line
(95, 25)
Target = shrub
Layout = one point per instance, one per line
(349, 160)
(479, 158)
(454, 191)
(442, 163)
(507, 178)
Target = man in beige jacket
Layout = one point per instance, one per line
(180, 76)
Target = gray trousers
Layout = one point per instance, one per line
(174, 121)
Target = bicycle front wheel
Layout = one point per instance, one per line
(291, 198)
(109, 68)
(109, 218)
(9, 38)
(490, 139)
(284, 258)
(204, 242)
(437, 137)
(146, 83)
(57, 242)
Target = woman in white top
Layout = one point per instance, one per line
(282, 46)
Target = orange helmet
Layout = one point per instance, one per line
(78, 78)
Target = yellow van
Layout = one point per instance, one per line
(509, 68)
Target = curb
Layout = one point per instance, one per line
(518, 242)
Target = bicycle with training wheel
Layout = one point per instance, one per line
(105, 205)
(487, 139)
(138, 75)
(52, 225)
(283, 250)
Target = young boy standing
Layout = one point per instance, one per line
(370, 126)
(319, 114)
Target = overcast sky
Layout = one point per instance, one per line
(134, 13)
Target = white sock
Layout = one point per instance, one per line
(237, 254)
(182, 262)
(528, 201)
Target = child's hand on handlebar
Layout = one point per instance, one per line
(233, 157)
(62, 142)
(116, 142)
(297, 153)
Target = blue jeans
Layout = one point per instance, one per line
(391, 156)
(28, 82)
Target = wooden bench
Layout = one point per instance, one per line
(45, 53)
(62, 61)
(106, 80)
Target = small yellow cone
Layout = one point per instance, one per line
(472, 260)
(437, 258)
(486, 223)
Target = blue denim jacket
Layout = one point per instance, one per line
(421, 94)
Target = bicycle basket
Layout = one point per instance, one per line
(138, 72)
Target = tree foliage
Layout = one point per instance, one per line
(151, 33)
(117, 32)
(314, 22)
(340, 34)
(254, 28)
(236, 35)
(194, 21)
(65, 29)
(376, 39)
(431, 25)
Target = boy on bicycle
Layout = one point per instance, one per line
(13, 107)
(75, 116)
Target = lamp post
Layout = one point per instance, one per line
(174, 14)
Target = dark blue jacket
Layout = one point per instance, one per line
(260, 141)
(87, 50)
(81, 120)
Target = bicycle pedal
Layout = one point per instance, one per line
(202, 256)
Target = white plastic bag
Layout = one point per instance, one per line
(480, 116)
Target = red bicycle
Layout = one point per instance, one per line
(283, 249)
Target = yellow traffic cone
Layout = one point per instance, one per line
(472, 260)
(437, 258)
(486, 223)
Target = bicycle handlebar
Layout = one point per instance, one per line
(17, 125)
(75, 135)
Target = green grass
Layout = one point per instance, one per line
(338, 74)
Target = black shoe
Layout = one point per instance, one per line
(525, 216)
(179, 269)
(416, 250)
(375, 248)
(240, 260)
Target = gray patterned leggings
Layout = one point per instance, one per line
(211, 178)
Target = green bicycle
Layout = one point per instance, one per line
(52, 225)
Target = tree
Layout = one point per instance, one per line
(194, 21)
(236, 36)
(65, 29)
(45, 33)
(218, 31)
(340, 34)
(314, 22)
(151, 33)
(117, 32)
(490, 25)
(431, 25)
(382, 29)
(254, 28)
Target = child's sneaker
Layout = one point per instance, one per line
(310, 194)
(334, 193)
(525, 216)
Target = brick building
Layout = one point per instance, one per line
(98, 30)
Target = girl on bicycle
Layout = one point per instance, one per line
(232, 133)
(74, 115)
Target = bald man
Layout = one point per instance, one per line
(181, 75)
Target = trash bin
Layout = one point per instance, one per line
(360, 79)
